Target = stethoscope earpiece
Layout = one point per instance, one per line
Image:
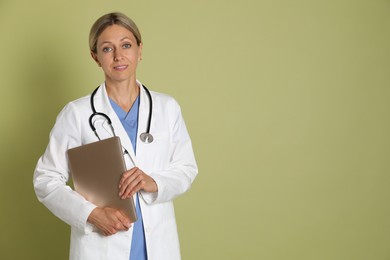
(145, 137)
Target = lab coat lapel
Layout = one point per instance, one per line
(105, 107)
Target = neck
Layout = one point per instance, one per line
(123, 93)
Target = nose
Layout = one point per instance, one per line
(118, 54)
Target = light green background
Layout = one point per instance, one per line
(287, 103)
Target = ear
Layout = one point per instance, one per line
(95, 58)
(140, 52)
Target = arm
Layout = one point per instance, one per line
(182, 168)
(51, 174)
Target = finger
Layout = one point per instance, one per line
(107, 230)
(139, 186)
(129, 182)
(110, 231)
(126, 174)
(122, 217)
(132, 188)
(119, 226)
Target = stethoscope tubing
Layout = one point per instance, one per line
(150, 110)
(146, 137)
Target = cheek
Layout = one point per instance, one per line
(104, 63)
(104, 58)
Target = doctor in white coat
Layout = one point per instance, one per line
(158, 171)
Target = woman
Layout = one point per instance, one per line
(158, 171)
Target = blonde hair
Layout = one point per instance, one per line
(108, 20)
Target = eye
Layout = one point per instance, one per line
(107, 49)
(126, 45)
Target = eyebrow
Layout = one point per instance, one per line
(124, 38)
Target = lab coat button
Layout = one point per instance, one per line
(148, 229)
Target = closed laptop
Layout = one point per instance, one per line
(96, 169)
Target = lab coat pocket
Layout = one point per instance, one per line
(87, 246)
(155, 155)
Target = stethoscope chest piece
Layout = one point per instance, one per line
(146, 138)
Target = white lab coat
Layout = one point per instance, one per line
(169, 160)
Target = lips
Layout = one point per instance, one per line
(120, 67)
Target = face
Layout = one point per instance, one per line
(118, 54)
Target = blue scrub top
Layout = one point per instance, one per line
(129, 121)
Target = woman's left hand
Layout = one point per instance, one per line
(135, 180)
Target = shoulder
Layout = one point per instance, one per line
(81, 102)
(160, 96)
(73, 109)
(162, 99)
(77, 104)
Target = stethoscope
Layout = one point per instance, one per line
(145, 137)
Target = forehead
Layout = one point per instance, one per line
(115, 33)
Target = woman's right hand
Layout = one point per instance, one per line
(109, 220)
